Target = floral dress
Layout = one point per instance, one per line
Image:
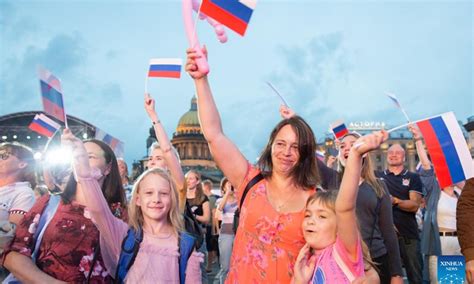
(68, 245)
(267, 242)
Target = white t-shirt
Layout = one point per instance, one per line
(447, 211)
(15, 198)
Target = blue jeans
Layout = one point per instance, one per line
(226, 243)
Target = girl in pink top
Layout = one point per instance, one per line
(333, 253)
(153, 208)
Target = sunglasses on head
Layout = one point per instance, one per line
(5, 155)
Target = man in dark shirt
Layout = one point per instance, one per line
(406, 192)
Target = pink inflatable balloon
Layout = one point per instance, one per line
(192, 35)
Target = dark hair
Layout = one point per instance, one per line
(224, 181)
(112, 188)
(305, 172)
(24, 154)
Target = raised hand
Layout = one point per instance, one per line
(150, 107)
(191, 65)
(369, 142)
(304, 265)
(286, 112)
(415, 131)
(81, 158)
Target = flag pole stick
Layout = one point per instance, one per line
(146, 84)
(281, 97)
(195, 24)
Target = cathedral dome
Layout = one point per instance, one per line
(189, 122)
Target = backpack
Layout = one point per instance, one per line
(131, 245)
(192, 226)
(249, 185)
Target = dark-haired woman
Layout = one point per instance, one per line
(269, 236)
(69, 250)
(199, 206)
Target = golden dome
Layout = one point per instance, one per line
(189, 122)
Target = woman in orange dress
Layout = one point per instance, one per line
(269, 236)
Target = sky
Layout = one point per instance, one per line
(330, 60)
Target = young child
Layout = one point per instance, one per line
(333, 250)
(153, 210)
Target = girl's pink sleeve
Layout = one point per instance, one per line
(112, 229)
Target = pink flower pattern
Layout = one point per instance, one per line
(267, 242)
(69, 241)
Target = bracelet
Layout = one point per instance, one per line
(417, 139)
(156, 122)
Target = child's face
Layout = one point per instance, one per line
(154, 198)
(319, 225)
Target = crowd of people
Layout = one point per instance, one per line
(288, 218)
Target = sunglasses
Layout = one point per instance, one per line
(5, 155)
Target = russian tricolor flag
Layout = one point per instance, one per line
(116, 145)
(320, 155)
(51, 94)
(165, 67)
(448, 149)
(339, 129)
(44, 125)
(234, 14)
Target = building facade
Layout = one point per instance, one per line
(191, 146)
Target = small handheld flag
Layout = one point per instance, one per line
(234, 14)
(448, 149)
(397, 103)
(44, 125)
(165, 67)
(339, 128)
(116, 145)
(320, 155)
(51, 94)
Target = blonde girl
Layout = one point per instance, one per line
(153, 209)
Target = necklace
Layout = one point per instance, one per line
(282, 204)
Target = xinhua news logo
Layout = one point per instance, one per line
(451, 269)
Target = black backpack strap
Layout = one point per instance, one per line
(251, 183)
(186, 246)
(130, 247)
(94, 260)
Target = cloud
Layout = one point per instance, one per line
(310, 72)
(63, 54)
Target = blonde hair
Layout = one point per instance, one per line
(135, 215)
(328, 200)
(200, 196)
